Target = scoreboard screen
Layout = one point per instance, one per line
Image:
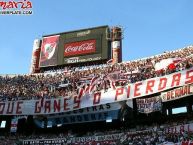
(86, 45)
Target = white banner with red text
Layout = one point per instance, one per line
(128, 92)
(177, 93)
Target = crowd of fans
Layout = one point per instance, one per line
(140, 135)
(68, 81)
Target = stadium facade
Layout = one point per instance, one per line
(79, 88)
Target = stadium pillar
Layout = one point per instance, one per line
(34, 68)
(116, 44)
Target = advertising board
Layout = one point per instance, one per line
(74, 47)
(82, 47)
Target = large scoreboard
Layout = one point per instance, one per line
(86, 45)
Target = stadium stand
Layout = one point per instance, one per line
(146, 135)
(68, 82)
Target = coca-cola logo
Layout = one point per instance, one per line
(83, 47)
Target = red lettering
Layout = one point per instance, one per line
(11, 4)
(184, 90)
(119, 91)
(150, 85)
(2, 107)
(189, 77)
(176, 80)
(128, 91)
(97, 98)
(3, 5)
(66, 104)
(136, 90)
(10, 108)
(168, 95)
(188, 89)
(15, 4)
(162, 84)
(172, 94)
(37, 107)
(57, 105)
(18, 109)
(76, 101)
(82, 47)
(47, 106)
(29, 5)
(177, 93)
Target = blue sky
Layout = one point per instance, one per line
(150, 26)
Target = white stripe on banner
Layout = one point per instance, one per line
(128, 92)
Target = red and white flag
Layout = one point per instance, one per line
(80, 92)
(112, 84)
(110, 61)
(167, 63)
(93, 83)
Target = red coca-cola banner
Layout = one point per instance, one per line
(81, 47)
